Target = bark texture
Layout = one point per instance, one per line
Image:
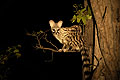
(107, 39)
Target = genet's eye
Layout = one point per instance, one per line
(53, 30)
(58, 30)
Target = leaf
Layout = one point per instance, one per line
(75, 6)
(19, 45)
(41, 31)
(3, 62)
(38, 32)
(88, 16)
(33, 35)
(89, 11)
(84, 20)
(9, 49)
(16, 51)
(80, 5)
(5, 58)
(74, 11)
(78, 12)
(82, 10)
(74, 18)
(18, 55)
(78, 18)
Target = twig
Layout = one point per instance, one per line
(53, 50)
(97, 63)
(51, 43)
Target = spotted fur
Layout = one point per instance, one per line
(71, 39)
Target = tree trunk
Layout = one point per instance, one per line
(106, 17)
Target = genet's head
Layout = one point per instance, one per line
(55, 27)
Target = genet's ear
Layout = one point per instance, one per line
(52, 23)
(59, 24)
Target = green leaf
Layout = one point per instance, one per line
(16, 51)
(78, 18)
(80, 5)
(18, 55)
(9, 49)
(33, 35)
(75, 6)
(78, 12)
(88, 16)
(82, 10)
(38, 32)
(89, 11)
(19, 45)
(84, 20)
(5, 58)
(41, 31)
(74, 18)
(74, 11)
(3, 62)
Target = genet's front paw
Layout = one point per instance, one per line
(65, 50)
(62, 50)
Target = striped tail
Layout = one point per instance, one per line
(86, 65)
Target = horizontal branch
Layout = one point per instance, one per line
(44, 48)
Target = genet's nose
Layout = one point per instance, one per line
(58, 30)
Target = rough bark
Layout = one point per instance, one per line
(107, 39)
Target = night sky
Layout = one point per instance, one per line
(16, 17)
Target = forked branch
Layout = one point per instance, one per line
(42, 35)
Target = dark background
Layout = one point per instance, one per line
(17, 16)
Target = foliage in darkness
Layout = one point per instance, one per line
(81, 14)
